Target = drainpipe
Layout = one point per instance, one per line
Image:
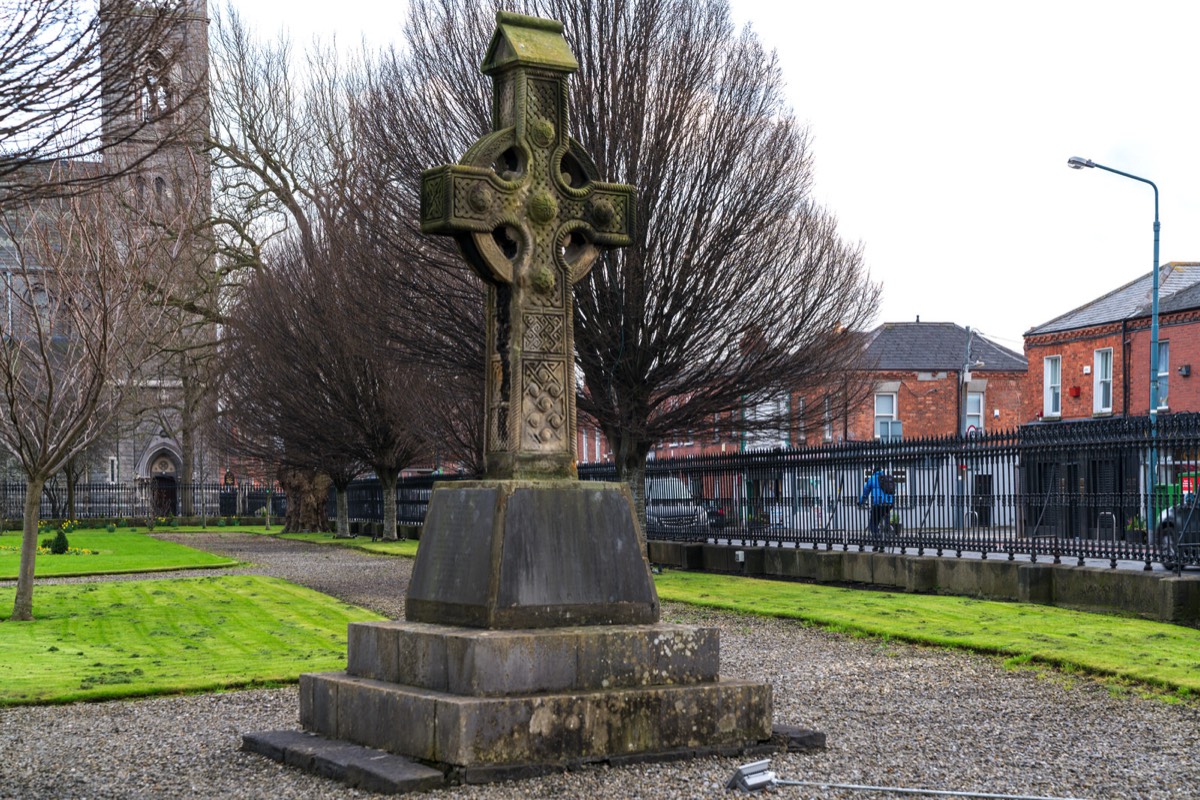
(1124, 368)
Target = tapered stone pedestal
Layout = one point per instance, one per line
(531, 554)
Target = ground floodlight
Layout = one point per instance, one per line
(752, 777)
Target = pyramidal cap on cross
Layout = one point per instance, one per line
(530, 216)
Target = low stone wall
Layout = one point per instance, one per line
(1154, 595)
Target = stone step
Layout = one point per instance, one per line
(352, 764)
(386, 773)
(478, 662)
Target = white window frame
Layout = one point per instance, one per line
(584, 448)
(975, 418)
(1164, 372)
(887, 415)
(1052, 389)
(113, 470)
(1102, 369)
(827, 420)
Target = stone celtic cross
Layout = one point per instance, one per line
(529, 215)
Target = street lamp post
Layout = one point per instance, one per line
(1075, 162)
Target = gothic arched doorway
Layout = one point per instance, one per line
(164, 492)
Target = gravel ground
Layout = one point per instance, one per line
(895, 716)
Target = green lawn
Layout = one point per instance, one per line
(1154, 653)
(120, 551)
(135, 638)
(399, 547)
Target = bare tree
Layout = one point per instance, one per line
(296, 204)
(78, 332)
(84, 83)
(119, 89)
(738, 288)
(295, 328)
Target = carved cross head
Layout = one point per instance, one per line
(529, 214)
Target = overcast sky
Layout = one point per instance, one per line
(942, 130)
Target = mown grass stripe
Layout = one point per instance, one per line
(1155, 653)
(135, 638)
(119, 552)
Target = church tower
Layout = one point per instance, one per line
(155, 126)
(156, 109)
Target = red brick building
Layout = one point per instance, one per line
(934, 379)
(1094, 362)
(913, 385)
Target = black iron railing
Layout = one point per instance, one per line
(1056, 491)
(143, 499)
(1066, 491)
(365, 499)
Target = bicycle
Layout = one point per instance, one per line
(887, 533)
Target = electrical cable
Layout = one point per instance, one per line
(904, 790)
(756, 775)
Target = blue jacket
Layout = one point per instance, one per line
(878, 496)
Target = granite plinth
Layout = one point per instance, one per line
(531, 554)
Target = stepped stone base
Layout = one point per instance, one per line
(461, 697)
(560, 728)
(470, 661)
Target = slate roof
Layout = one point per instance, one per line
(1178, 289)
(934, 347)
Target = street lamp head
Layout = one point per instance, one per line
(1075, 162)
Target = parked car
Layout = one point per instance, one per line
(672, 509)
(716, 513)
(1178, 533)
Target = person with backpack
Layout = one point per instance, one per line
(881, 488)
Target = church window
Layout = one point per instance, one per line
(155, 88)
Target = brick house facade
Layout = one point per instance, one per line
(1094, 362)
(937, 379)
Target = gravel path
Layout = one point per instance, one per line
(895, 715)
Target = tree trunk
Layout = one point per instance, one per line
(630, 461)
(343, 509)
(70, 473)
(23, 607)
(308, 494)
(187, 443)
(387, 482)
